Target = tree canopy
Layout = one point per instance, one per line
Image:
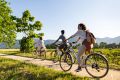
(27, 25)
(7, 25)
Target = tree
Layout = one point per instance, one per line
(7, 25)
(96, 45)
(103, 45)
(49, 46)
(119, 45)
(113, 45)
(27, 25)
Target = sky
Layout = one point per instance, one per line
(101, 17)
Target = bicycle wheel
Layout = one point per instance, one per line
(66, 62)
(100, 52)
(74, 60)
(43, 55)
(96, 65)
(54, 56)
(73, 55)
(35, 54)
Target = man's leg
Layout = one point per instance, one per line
(65, 48)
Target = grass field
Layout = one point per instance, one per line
(113, 55)
(16, 70)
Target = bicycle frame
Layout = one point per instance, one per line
(74, 54)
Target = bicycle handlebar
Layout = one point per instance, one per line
(71, 43)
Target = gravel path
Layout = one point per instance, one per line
(112, 74)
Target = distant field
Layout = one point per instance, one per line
(113, 55)
(9, 50)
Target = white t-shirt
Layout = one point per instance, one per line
(81, 34)
(40, 43)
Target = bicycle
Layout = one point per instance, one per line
(66, 60)
(40, 54)
(95, 63)
(55, 54)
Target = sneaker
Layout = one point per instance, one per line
(83, 66)
(78, 69)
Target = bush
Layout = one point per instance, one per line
(26, 44)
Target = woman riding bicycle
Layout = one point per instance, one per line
(85, 46)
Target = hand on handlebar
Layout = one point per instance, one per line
(52, 43)
(66, 40)
(74, 42)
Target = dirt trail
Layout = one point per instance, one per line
(112, 74)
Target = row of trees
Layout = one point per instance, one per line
(96, 45)
(10, 25)
(105, 45)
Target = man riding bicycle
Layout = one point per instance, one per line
(63, 45)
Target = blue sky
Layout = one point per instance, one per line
(102, 17)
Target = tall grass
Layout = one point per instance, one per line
(113, 56)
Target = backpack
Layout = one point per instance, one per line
(90, 37)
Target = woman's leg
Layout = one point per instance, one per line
(81, 50)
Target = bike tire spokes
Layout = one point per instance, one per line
(96, 65)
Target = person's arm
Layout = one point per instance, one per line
(72, 35)
(78, 39)
(57, 40)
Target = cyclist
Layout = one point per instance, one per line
(40, 46)
(81, 33)
(63, 45)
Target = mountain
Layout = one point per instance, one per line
(98, 40)
(48, 42)
(16, 46)
(45, 41)
(109, 40)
